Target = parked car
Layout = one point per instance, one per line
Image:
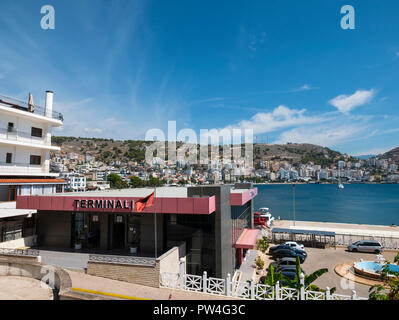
(295, 245)
(366, 246)
(286, 261)
(289, 274)
(279, 246)
(288, 268)
(290, 252)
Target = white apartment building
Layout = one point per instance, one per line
(75, 182)
(25, 145)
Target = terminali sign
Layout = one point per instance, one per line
(130, 205)
(104, 204)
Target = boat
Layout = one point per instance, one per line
(340, 185)
(267, 216)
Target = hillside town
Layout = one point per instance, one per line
(87, 171)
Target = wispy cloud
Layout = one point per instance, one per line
(372, 151)
(324, 135)
(346, 103)
(280, 118)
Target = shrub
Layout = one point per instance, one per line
(259, 263)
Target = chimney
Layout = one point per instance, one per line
(49, 104)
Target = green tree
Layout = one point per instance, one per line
(116, 181)
(308, 279)
(136, 182)
(155, 182)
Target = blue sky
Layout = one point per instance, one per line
(284, 68)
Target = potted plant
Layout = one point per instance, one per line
(259, 264)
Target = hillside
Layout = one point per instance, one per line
(107, 150)
(392, 154)
(296, 152)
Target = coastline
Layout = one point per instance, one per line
(313, 183)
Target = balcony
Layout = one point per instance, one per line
(13, 134)
(16, 168)
(23, 106)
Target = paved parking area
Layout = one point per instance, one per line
(23, 288)
(330, 258)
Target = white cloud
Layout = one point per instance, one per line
(373, 151)
(93, 130)
(325, 135)
(280, 118)
(346, 103)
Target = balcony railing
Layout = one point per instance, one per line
(18, 164)
(22, 136)
(21, 105)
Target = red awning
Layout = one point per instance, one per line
(247, 239)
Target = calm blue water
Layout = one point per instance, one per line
(357, 203)
(369, 265)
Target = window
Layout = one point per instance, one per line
(10, 126)
(36, 132)
(9, 158)
(36, 160)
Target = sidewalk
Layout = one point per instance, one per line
(123, 290)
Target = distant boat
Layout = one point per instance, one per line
(340, 185)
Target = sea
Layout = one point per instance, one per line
(375, 204)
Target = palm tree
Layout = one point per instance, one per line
(308, 279)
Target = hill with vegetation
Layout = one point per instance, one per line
(107, 150)
(392, 154)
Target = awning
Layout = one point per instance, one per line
(8, 213)
(247, 239)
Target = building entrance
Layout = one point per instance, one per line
(119, 232)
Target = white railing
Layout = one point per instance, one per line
(245, 290)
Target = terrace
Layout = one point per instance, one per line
(24, 106)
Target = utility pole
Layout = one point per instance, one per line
(293, 200)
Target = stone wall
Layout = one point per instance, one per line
(144, 275)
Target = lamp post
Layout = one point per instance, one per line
(293, 200)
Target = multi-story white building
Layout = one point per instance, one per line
(75, 182)
(25, 145)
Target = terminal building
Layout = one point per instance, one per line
(212, 224)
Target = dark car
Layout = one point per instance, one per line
(288, 268)
(293, 253)
(277, 247)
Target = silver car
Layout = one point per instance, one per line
(366, 246)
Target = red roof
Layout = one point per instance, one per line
(44, 181)
(247, 239)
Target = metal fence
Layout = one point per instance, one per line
(246, 290)
(141, 261)
(24, 106)
(339, 239)
(23, 136)
(348, 239)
